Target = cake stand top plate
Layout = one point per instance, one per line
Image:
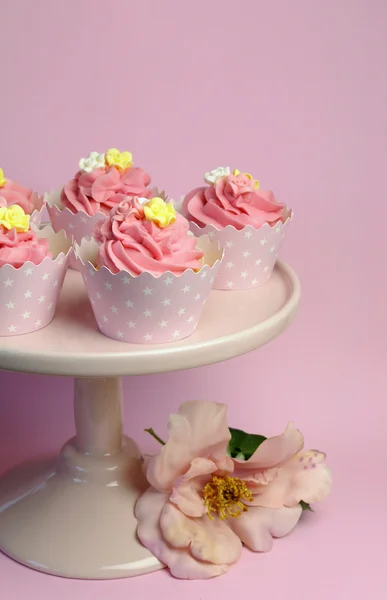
(232, 324)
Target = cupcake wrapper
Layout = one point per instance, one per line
(249, 254)
(29, 295)
(36, 216)
(78, 225)
(147, 309)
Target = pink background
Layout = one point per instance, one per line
(296, 93)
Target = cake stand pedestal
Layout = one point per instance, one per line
(75, 518)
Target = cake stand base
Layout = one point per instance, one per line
(75, 518)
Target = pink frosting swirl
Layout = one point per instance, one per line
(128, 242)
(14, 193)
(102, 189)
(233, 200)
(18, 248)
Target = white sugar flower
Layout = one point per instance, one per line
(92, 162)
(212, 176)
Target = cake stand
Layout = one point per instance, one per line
(75, 518)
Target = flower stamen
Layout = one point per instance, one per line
(223, 496)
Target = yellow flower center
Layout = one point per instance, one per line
(224, 495)
(160, 212)
(14, 217)
(3, 180)
(121, 160)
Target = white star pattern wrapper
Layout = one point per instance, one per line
(36, 216)
(249, 254)
(29, 295)
(77, 225)
(147, 309)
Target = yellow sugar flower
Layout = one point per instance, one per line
(121, 160)
(160, 212)
(3, 180)
(14, 217)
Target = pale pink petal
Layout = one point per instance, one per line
(256, 479)
(186, 489)
(273, 452)
(179, 560)
(305, 477)
(209, 540)
(257, 527)
(198, 430)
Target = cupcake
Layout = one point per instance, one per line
(247, 221)
(13, 193)
(147, 276)
(100, 184)
(33, 264)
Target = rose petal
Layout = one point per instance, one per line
(186, 489)
(272, 452)
(209, 540)
(257, 527)
(198, 430)
(255, 480)
(305, 477)
(181, 563)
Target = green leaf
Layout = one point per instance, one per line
(306, 506)
(243, 443)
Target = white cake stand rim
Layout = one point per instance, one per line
(159, 358)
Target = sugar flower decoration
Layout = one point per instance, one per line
(245, 177)
(236, 176)
(121, 160)
(160, 212)
(3, 180)
(213, 489)
(14, 217)
(92, 162)
(212, 176)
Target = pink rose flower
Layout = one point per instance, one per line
(202, 505)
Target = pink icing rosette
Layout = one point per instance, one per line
(14, 193)
(247, 221)
(33, 265)
(102, 189)
(233, 200)
(18, 248)
(129, 242)
(147, 283)
(88, 198)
